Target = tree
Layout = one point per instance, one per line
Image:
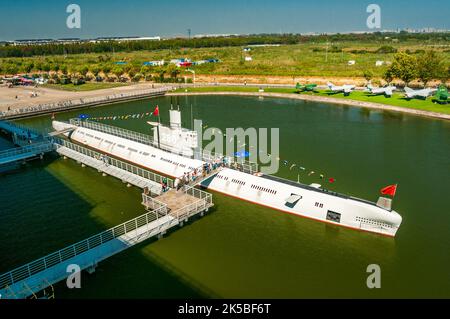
(84, 70)
(388, 76)
(95, 70)
(404, 67)
(64, 69)
(445, 75)
(117, 71)
(46, 67)
(429, 66)
(28, 67)
(12, 69)
(106, 68)
(173, 70)
(131, 73)
(368, 75)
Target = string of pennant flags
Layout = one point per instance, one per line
(122, 117)
(286, 163)
(240, 154)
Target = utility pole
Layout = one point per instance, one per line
(189, 33)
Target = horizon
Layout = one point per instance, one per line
(145, 18)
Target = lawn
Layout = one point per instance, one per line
(285, 60)
(89, 86)
(396, 100)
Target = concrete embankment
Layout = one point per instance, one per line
(81, 101)
(331, 100)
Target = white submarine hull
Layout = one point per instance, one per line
(269, 191)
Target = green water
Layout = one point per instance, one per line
(243, 250)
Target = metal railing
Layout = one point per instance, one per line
(203, 203)
(153, 204)
(19, 129)
(64, 105)
(114, 130)
(228, 161)
(117, 163)
(209, 157)
(41, 264)
(36, 148)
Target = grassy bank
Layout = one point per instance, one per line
(84, 87)
(309, 59)
(396, 100)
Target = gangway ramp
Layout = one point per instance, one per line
(126, 172)
(25, 152)
(28, 280)
(31, 278)
(19, 130)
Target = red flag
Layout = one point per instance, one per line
(156, 111)
(332, 180)
(389, 190)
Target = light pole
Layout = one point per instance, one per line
(193, 72)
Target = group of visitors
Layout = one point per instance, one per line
(206, 169)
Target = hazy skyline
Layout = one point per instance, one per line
(31, 19)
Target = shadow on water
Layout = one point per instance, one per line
(243, 250)
(42, 212)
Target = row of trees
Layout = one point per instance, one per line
(424, 67)
(105, 69)
(112, 73)
(127, 46)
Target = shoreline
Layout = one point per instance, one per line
(328, 100)
(129, 93)
(79, 100)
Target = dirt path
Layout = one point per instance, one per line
(20, 96)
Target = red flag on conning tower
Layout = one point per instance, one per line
(389, 190)
(156, 111)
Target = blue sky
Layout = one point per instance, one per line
(20, 19)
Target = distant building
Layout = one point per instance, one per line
(154, 63)
(126, 39)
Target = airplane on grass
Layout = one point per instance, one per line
(346, 89)
(305, 88)
(441, 96)
(386, 91)
(419, 94)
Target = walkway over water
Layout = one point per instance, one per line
(165, 210)
(126, 172)
(20, 135)
(26, 281)
(26, 152)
